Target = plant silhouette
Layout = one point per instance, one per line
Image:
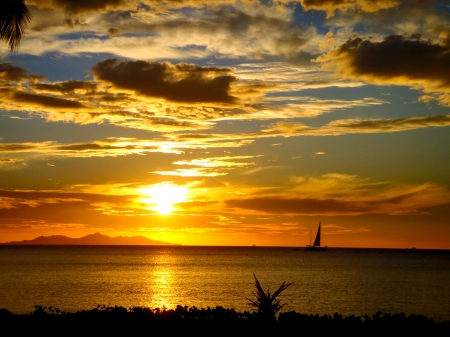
(267, 303)
(14, 19)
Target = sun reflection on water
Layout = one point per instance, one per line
(161, 279)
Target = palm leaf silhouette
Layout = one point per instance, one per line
(14, 19)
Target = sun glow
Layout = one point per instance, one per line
(162, 196)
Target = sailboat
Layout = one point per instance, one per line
(316, 245)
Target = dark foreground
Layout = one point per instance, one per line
(215, 321)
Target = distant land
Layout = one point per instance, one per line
(91, 239)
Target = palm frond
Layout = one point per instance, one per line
(14, 19)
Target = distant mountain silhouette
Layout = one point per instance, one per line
(91, 239)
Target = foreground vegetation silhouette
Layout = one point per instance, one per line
(182, 319)
(267, 304)
(220, 321)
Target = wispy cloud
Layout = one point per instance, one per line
(353, 200)
(207, 167)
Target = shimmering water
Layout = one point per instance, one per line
(347, 281)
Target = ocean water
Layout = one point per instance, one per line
(347, 281)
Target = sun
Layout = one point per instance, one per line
(162, 196)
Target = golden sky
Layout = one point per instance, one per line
(229, 122)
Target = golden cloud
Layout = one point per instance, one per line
(164, 31)
(209, 167)
(338, 194)
(353, 126)
(143, 95)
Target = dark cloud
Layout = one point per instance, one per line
(99, 147)
(178, 83)
(395, 60)
(114, 146)
(12, 73)
(46, 101)
(86, 197)
(64, 87)
(328, 206)
(113, 31)
(330, 6)
(399, 124)
(120, 97)
(86, 147)
(15, 147)
(77, 6)
(348, 126)
(75, 10)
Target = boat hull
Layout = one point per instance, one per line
(316, 248)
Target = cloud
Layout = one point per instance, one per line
(66, 87)
(390, 125)
(113, 31)
(176, 142)
(156, 34)
(283, 77)
(226, 161)
(207, 167)
(20, 153)
(339, 194)
(51, 196)
(104, 5)
(75, 6)
(52, 207)
(330, 6)
(135, 94)
(12, 73)
(394, 61)
(302, 107)
(336, 184)
(316, 206)
(178, 83)
(100, 148)
(357, 125)
(46, 101)
(10, 164)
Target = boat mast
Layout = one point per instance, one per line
(310, 236)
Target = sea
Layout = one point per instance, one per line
(343, 280)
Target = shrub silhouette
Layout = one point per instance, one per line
(117, 320)
(267, 304)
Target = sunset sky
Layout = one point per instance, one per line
(229, 122)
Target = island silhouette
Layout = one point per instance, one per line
(96, 239)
